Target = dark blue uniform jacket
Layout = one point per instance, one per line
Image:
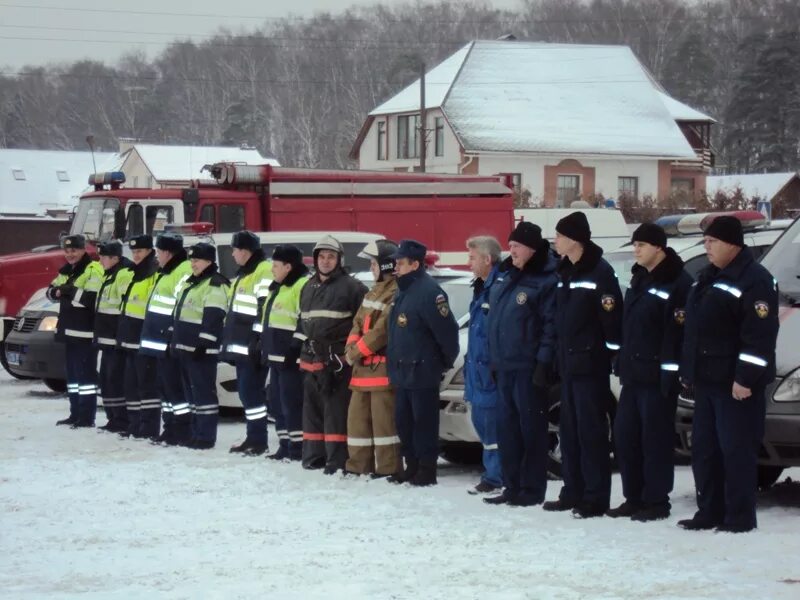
(588, 315)
(522, 306)
(653, 323)
(423, 333)
(731, 325)
(479, 386)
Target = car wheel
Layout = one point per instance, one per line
(462, 453)
(56, 385)
(768, 475)
(4, 362)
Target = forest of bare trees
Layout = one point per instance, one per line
(300, 89)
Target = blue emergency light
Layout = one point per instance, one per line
(113, 178)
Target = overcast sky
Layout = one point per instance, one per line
(38, 32)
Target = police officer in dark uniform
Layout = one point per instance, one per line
(423, 344)
(652, 334)
(589, 330)
(522, 306)
(728, 359)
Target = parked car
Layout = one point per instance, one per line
(780, 447)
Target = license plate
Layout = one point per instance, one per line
(12, 358)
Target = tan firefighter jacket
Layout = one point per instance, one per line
(366, 345)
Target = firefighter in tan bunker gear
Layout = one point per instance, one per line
(372, 442)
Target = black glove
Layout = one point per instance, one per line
(67, 291)
(541, 377)
(254, 351)
(687, 390)
(292, 354)
(199, 352)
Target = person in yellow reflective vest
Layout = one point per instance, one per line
(253, 274)
(75, 289)
(116, 278)
(141, 391)
(280, 348)
(372, 442)
(199, 319)
(173, 271)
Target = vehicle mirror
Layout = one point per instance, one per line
(109, 221)
(160, 221)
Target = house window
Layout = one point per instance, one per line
(62, 175)
(568, 190)
(381, 140)
(136, 181)
(231, 217)
(407, 129)
(438, 147)
(516, 181)
(628, 187)
(18, 174)
(682, 185)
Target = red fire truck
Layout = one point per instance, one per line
(441, 211)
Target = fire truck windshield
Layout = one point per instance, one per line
(95, 218)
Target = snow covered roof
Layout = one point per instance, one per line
(681, 111)
(183, 163)
(759, 185)
(502, 96)
(33, 181)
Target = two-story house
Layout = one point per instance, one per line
(567, 121)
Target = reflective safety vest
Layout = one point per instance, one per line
(79, 285)
(243, 305)
(366, 345)
(157, 326)
(279, 320)
(200, 312)
(134, 303)
(109, 303)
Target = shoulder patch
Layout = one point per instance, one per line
(762, 308)
(522, 298)
(679, 315)
(444, 308)
(608, 302)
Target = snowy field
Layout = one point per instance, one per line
(86, 514)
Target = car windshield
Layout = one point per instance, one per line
(783, 261)
(95, 218)
(622, 262)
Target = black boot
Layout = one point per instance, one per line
(241, 448)
(626, 509)
(557, 505)
(412, 464)
(654, 512)
(67, 421)
(281, 454)
(425, 475)
(256, 450)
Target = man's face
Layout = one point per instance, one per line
(563, 244)
(108, 261)
(520, 254)
(280, 270)
(405, 265)
(241, 256)
(719, 253)
(199, 265)
(327, 261)
(139, 254)
(73, 255)
(645, 254)
(163, 257)
(479, 264)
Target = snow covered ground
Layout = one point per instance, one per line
(88, 514)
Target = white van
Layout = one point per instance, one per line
(609, 230)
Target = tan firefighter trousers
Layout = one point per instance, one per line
(372, 442)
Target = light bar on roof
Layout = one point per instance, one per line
(107, 178)
(696, 223)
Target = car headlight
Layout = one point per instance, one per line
(789, 388)
(458, 378)
(48, 324)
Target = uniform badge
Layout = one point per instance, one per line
(762, 309)
(608, 302)
(402, 320)
(522, 298)
(679, 315)
(442, 306)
